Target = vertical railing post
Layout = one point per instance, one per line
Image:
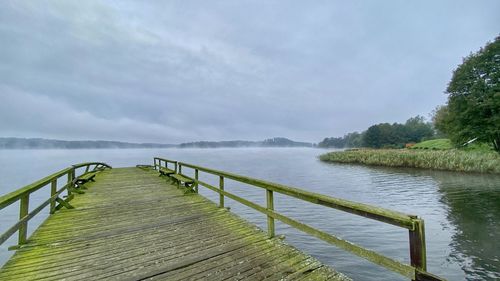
(270, 207)
(196, 180)
(23, 211)
(417, 246)
(154, 163)
(180, 171)
(53, 190)
(70, 181)
(221, 187)
(175, 166)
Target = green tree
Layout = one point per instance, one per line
(473, 109)
(353, 139)
(372, 137)
(380, 135)
(332, 142)
(385, 135)
(440, 119)
(417, 129)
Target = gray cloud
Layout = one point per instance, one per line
(191, 70)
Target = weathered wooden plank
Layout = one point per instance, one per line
(194, 258)
(131, 224)
(226, 264)
(103, 222)
(102, 249)
(112, 264)
(174, 225)
(130, 263)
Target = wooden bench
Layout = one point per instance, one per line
(86, 178)
(188, 183)
(166, 171)
(144, 166)
(81, 180)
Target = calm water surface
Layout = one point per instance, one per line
(461, 211)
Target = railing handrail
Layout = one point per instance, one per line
(166, 163)
(12, 197)
(365, 210)
(23, 194)
(166, 160)
(76, 166)
(417, 270)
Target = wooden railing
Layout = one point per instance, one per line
(416, 270)
(23, 196)
(158, 162)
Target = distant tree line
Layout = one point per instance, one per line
(217, 144)
(385, 135)
(284, 142)
(272, 142)
(354, 139)
(38, 143)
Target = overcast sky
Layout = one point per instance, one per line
(176, 71)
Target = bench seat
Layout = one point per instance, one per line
(86, 177)
(166, 171)
(188, 183)
(81, 180)
(182, 178)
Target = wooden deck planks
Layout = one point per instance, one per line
(132, 225)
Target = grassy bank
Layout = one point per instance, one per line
(451, 159)
(437, 144)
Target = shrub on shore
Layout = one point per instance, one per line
(451, 159)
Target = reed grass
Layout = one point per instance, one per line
(451, 160)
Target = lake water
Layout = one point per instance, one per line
(461, 211)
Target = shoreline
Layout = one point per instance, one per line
(442, 160)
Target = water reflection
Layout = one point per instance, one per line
(473, 210)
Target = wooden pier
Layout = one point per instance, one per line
(132, 224)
